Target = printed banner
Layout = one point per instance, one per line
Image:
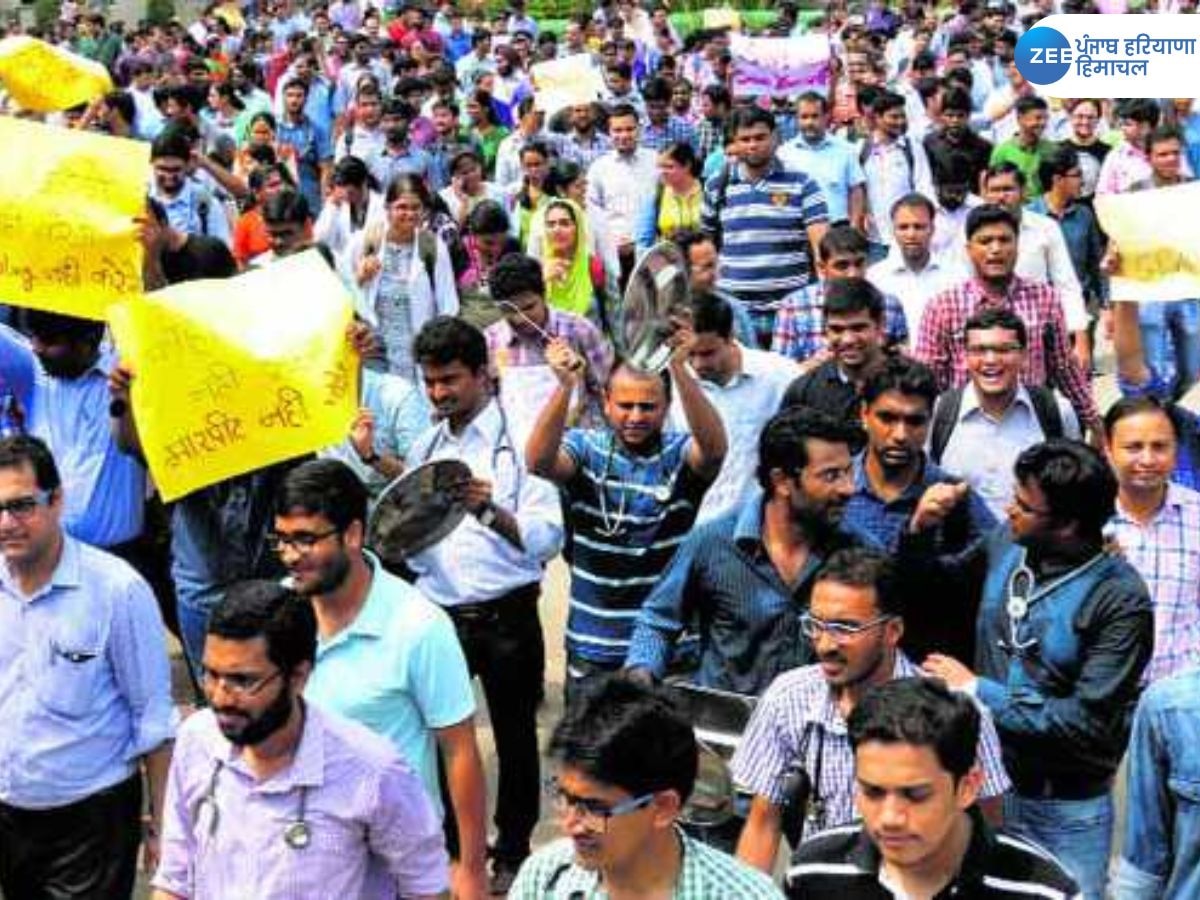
(236, 374)
(67, 204)
(43, 78)
(1158, 239)
(569, 81)
(779, 67)
(723, 17)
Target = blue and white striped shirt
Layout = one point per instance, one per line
(627, 516)
(765, 253)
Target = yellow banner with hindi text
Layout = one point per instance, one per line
(1157, 236)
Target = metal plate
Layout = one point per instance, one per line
(658, 289)
(417, 510)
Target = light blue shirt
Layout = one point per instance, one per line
(833, 163)
(85, 683)
(103, 489)
(195, 210)
(399, 670)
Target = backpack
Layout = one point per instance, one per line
(945, 417)
(905, 145)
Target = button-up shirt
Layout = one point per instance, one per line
(745, 403)
(85, 683)
(474, 563)
(195, 210)
(801, 700)
(617, 185)
(722, 583)
(800, 323)
(833, 162)
(586, 151)
(373, 834)
(895, 278)
(1166, 553)
(891, 173)
(674, 131)
(982, 450)
(941, 339)
(553, 873)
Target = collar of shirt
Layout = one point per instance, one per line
(1171, 508)
(486, 424)
(799, 142)
(831, 717)
(307, 768)
(894, 264)
(928, 475)
(970, 403)
(865, 855)
(976, 291)
(747, 531)
(372, 618)
(773, 168)
(511, 337)
(65, 574)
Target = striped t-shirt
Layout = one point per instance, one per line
(626, 516)
(765, 253)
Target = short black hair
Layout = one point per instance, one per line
(24, 449)
(904, 376)
(845, 296)
(955, 99)
(286, 207)
(1061, 160)
(998, 317)
(920, 712)
(1140, 109)
(172, 142)
(813, 97)
(324, 487)
(712, 314)
(444, 340)
(842, 239)
(1030, 103)
(914, 200)
(628, 736)
(783, 442)
(750, 116)
(516, 274)
(886, 100)
(1136, 405)
(990, 214)
(488, 217)
(865, 567)
(1078, 484)
(267, 610)
(622, 110)
(1004, 168)
(1164, 133)
(51, 326)
(687, 238)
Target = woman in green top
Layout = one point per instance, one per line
(574, 276)
(486, 127)
(531, 197)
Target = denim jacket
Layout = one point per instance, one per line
(1062, 704)
(1160, 859)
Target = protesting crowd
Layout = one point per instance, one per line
(857, 480)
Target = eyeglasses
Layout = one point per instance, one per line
(841, 632)
(993, 349)
(301, 541)
(593, 813)
(1028, 510)
(21, 508)
(236, 683)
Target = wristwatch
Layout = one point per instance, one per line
(487, 515)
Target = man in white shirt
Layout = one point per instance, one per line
(620, 180)
(487, 572)
(745, 385)
(911, 271)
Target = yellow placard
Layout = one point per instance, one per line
(67, 204)
(570, 81)
(45, 78)
(1158, 239)
(723, 17)
(236, 374)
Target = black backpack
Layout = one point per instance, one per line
(945, 417)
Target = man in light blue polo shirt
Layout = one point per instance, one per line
(386, 656)
(830, 160)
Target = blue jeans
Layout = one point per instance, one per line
(1171, 341)
(1077, 832)
(194, 603)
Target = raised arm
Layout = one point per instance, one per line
(544, 455)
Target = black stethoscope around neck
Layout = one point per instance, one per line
(297, 833)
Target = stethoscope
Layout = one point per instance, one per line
(297, 833)
(613, 525)
(503, 444)
(1022, 594)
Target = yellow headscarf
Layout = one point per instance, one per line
(574, 293)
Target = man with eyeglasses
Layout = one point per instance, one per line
(190, 207)
(85, 697)
(627, 762)
(1065, 631)
(271, 794)
(387, 657)
(855, 625)
(979, 430)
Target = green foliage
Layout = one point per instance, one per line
(160, 12)
(45, 12)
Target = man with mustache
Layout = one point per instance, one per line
(268, 792)
(855, 625)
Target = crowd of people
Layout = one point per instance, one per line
(870, 488)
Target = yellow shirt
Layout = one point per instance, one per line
(677, 212)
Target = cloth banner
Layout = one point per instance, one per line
(236, 374)
(779, 66)
(67, 202)
(570, 81)
(1158, 238)
(45, 78)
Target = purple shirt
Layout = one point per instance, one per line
(373, 830)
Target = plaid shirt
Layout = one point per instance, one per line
(800, 323)
(710, 136)
(1166, 553)
(941, 341)
(585, 152)
(675, 131)
(801, 698)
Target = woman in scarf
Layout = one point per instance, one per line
(575, 277)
